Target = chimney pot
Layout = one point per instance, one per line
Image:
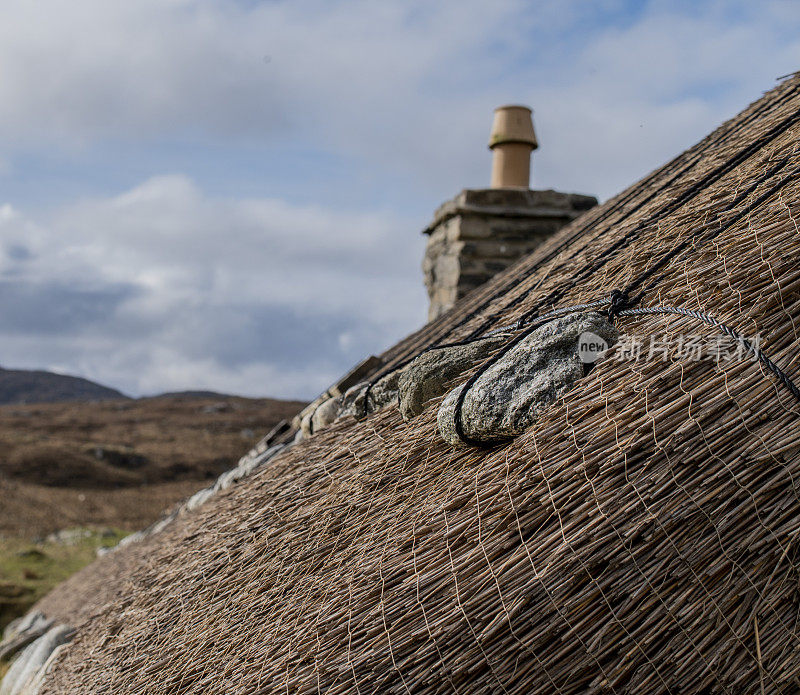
(512, 140)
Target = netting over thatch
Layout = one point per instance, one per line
(641, 537)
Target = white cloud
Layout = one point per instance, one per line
(169, 286)
(635, 96)
(163, 287)
(398, 84)
(166, 233)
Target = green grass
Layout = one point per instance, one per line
(29, 570)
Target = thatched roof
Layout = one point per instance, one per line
(641, 537)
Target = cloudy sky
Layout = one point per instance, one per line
(228, 194)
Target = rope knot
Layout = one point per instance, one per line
(619, 300)
(520, 323)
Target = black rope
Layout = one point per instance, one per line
(620, 301)
(624, 241)
(510, 328)
(782, 377)
(538, 322)
(612, 250)
(673, 253)
(430, 348)
(555, 313)
(619, 304)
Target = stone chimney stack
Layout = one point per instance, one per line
(481, 232)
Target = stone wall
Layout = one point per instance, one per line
(481, 232)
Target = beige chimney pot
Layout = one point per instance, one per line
(512, 140)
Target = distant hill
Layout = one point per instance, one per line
(192, 394)
(18, 386)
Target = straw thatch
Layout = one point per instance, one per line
(641, 537)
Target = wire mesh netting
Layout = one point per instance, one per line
(641, 537)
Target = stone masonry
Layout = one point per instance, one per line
(481, 232)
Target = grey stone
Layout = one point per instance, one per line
(262, 458)
(26, 667)
(161, 524)
(355, 376)
(29, 621)
(250, 465)
(511, 394)
(11, 630)
(20, 633)
(13, 627)
(326, 413)
(353, 402)
(37, 682)
(199, 498)
(431, 374)
(133, 538)
(321, 415)
(228, 478)
(305, 423)
(247, 464)
(382, 393)
(269, 438)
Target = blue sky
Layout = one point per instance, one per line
(229, 194)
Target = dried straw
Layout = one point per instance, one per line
(640, 538)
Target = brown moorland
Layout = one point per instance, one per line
(95, 471)
(119, 463)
